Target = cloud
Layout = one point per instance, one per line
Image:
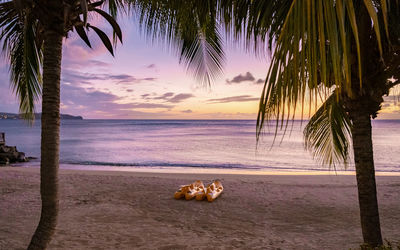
(169, 97)
(148, 79)
(259, 81)
(151, 66)
(240, 98)
(248, 77)
(72, 76)
(76, 53)
(88, 101)
(149, 105)
(129, 90)
(72, 64)
(188, 111)
(241, 78)
(164, 96)
(180, 97)
(145, 96)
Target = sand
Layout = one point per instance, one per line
(125, 210)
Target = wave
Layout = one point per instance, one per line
(195, 165)
(211, 166)
(388, 169)
(167, 123)
(161, 164)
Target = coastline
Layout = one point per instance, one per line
(124, 210)
(198, 170)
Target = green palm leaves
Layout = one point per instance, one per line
(21, 44)
(316, 48)
(328, 133)
(22, 26)
(192, 27)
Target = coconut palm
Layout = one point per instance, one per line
(320, 48)
(32, 33)
(344, 54)
(341, 53)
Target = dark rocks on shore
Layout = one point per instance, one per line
(9, 154)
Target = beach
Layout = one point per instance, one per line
(135, 210)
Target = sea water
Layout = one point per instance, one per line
(200, 144)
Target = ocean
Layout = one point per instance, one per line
(184, 144)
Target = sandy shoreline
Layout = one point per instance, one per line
(203, 170)
(133, 210)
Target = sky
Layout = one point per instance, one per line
(145, 81)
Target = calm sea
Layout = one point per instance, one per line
(222, 144)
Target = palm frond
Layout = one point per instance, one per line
(19, 37)
(191, 27)
(115, 8)
(118, 6)
(112, 22)
(256, 21)
(313, 52)
(80, 25)
(328, 133)
(103, 37)
(203, 54)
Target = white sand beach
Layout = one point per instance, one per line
(133, 210)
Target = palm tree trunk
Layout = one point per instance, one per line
(50, 140)
(365, 172)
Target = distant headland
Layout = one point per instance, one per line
(12, 116)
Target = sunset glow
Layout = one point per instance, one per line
(146, 81)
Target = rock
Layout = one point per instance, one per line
(11, 155)
(3, 149)
(21, 157)
(4, 161)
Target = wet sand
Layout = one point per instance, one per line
(133, 210)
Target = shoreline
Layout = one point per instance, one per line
(198, 170)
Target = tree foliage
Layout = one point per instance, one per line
(23, 24)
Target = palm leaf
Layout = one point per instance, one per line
(19, 36)
(328, 133)
(82, 34)
(203, 55)
(113, 23)
(302, 68)
(191, 28)
(104, 38)
(84, 8)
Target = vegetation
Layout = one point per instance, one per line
(344, 54)
(341, 53)
(32, 36)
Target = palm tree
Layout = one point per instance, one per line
(320, 48)
(336, 52)
(344, 53)
(32, 35)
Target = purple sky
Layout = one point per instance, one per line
(145, 81)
